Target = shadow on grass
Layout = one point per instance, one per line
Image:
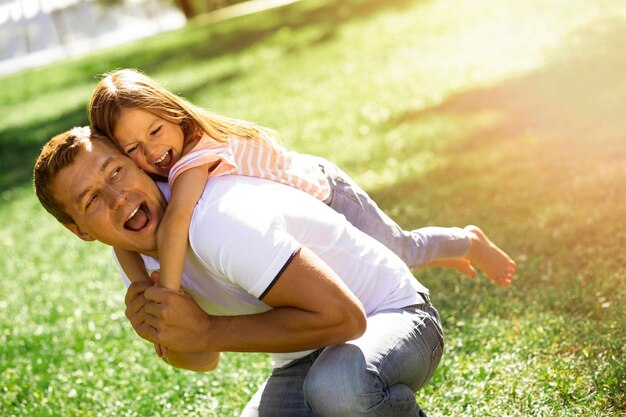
(20, 145)
(558, 127)
(547, 172)
(578, 94)
(202, 43)
(199, 42)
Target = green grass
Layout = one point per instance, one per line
(505, 114)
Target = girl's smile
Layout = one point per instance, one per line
(166, 161)
(152, 142)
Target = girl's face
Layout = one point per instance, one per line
(152, 142)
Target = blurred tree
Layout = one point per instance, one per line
(215, 4)
(190, 8)
(186, 6)
(110, 3)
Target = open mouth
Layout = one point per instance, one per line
(138, 219)
(165, 161)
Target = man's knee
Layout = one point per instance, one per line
(340, 384)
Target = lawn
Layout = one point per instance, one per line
(502, 113)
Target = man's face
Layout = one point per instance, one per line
(110, 199)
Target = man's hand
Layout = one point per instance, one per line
(135, 302)
(141, 299)
(170, 318)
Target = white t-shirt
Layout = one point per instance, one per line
(244, 231)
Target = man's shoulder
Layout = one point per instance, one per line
(230, 202)
(234, 217)
(231, 190)
(239, 192)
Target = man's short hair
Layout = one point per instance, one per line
(60, 152)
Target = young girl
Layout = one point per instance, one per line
(169, 137)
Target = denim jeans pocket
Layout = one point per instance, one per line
(340, 187)
(435, 335)
(434, 361)
(343, 188)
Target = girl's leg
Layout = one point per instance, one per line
(416, 248)
(377, 374)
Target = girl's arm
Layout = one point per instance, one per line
(135, 270)
(132, 265)
(173, 233)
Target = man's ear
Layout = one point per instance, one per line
(78, 232)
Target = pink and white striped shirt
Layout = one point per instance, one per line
(262, 158)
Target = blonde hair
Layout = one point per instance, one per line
(59, 153)
(130, 89)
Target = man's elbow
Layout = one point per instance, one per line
(352, 322)
(206, 366)
(359, 323)
(197, 362)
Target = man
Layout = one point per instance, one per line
(350, 330)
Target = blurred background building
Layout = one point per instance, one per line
(37, 32)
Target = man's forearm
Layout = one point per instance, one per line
(311, 308)
(283, 329)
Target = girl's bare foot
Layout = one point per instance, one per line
(489, 258)
(461, 265)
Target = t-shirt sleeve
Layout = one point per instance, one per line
(247, 246)
(206, 152)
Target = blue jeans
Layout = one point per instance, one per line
(416, 247)
(374, 375)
